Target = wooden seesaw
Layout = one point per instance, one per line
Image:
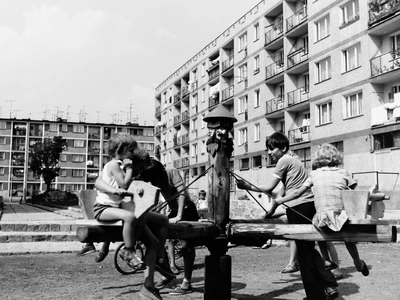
(219, 230)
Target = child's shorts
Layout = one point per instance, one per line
(98, 209)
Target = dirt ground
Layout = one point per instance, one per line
(255, 276)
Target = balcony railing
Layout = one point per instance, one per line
(299, 95)
(158, 110)
(297, 18)
(274, 68)
(177, 141)
(185, 162)
(297, 57)
(185, 115)
(275, 104)
(274, 33)
(299, 135)
(385, 63)
(185, 138)
(227, 93)
(194, 85)
(214, 73)
(379, 11)
(185, 91)
(177, 97)
(214, 100)
(177, 119)
(226, 64)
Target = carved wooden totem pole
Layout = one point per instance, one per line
(218, 265)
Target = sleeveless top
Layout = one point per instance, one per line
(106, 198)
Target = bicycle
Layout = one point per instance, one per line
(121, 265)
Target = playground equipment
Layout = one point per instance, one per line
(219, 230)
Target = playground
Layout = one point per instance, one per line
(256, 276)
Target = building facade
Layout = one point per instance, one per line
(80, 163)
(318, 71)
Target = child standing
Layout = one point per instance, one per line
(328, 180)
(108, 206)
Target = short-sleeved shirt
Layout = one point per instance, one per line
(291, 171)
(327, 183)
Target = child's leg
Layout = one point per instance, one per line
(159, 225)
(323, 247)
(152, 245)
(171, 252)
(361, 266)
(333, 253)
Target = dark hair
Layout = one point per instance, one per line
(119, 143)
(155, 173)
(202, 192)
(140, 155)
(277, 140)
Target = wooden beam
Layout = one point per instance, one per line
(243, 233)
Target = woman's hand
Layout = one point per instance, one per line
(243, 185)
(127, 162)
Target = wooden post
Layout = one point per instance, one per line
(218, 265)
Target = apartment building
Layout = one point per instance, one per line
(80, 164)
(318, 71)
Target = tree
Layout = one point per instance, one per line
(44, 158)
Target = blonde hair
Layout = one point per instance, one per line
(327, 155)
(119, 143)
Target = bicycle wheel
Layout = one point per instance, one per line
(121, 265)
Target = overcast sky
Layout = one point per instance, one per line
(100, 60)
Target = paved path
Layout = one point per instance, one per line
(26, 212)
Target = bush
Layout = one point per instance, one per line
(56, 197)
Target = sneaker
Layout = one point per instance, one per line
(150, 293)
(331, 293)
(179, 290)
(162, 267)
(101, 256)
(87, 249)
(291, 269)
(162, 283)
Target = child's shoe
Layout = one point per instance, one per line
(87, 249)
(132, 259)
(363, 268)
(101, 256)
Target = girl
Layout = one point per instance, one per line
(328, 179)
(110, 205)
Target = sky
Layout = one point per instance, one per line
(100, 60)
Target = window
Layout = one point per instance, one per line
(322, 28)
(244, 164)
(256, 32)
(324, 113)
(387, 140)
(257, 132)
(79, 143)
(242, 107)
(63, 172)
(242, 136)
(2, 140)
(203, 95)
(194, 124)
(2, 155)
(353, 105)
(194, 101)
(77, 173)
(243, 42)
(1, 186)
(304, 155)
(76, 187)
(77, 158)
(257, 161)
(63, 157)
(64, 128)
(2, 170)
(257, 98)
(256, 64)
(203, 69)
(194, 150)
(323, 71)
(78, 128)
(3, 125)
(395, 45)
(349, 11)
(242, 72)
(203, 147)
(203, 124)
(53, 127)
(194, 172)
(351, 58)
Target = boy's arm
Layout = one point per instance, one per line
(267, 188)
(177, 181)
(104, 187)
(280, 200)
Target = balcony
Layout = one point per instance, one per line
(296, 19)
(299, 95)
(177, 120)
(227, 93)
(379, 12)
(185, 138)
(213, 100)
(193, 85)
(227, 64)
(274, 68)
(185, 91)
(385, 63)
(185, 162)
(299, 135)
(297, 57)
(95, 136)
(386, 114)
(185, 116)
(214, 73)
(158, 110)
(177, 97)
(275, 104)
(275, 33)
(176, 141)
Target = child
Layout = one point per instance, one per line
(318, 282)
(108, 205)
(328, 179)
